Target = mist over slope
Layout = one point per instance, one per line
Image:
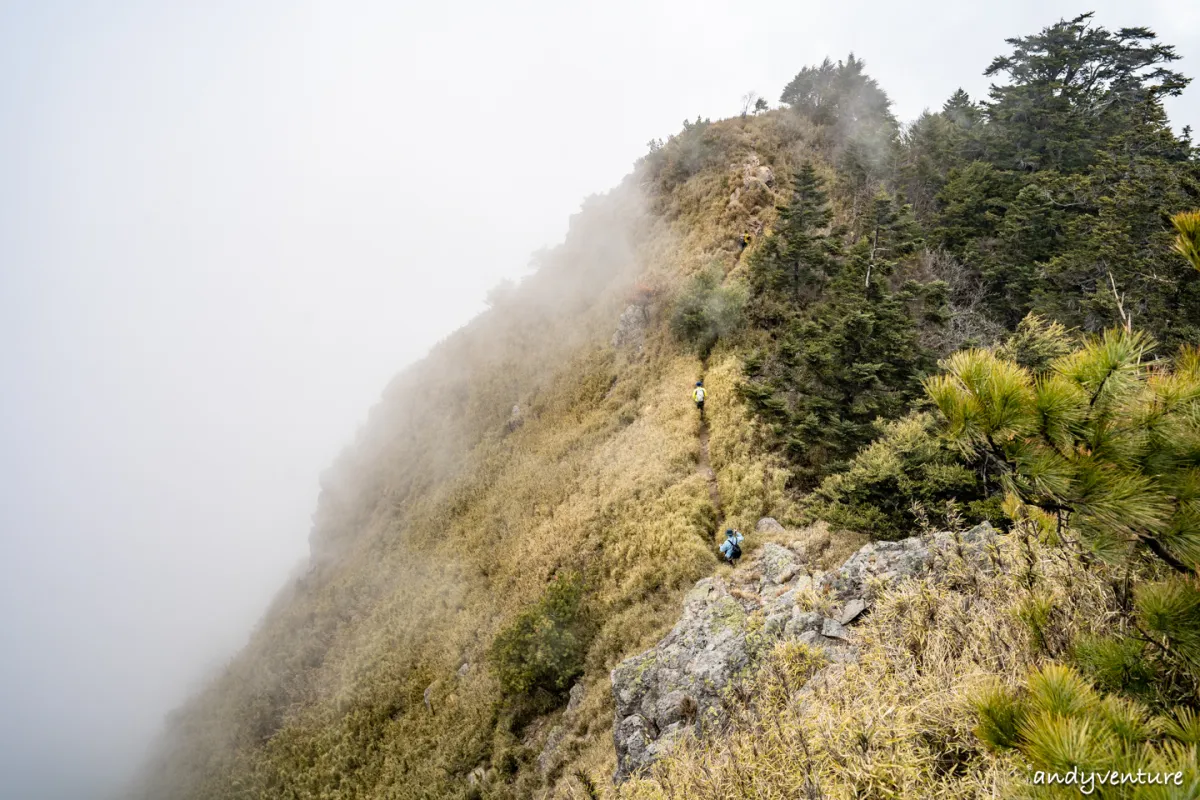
(526, 507)
(525, 446)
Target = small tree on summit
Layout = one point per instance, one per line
(839, 94)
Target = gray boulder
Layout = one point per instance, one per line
(768, 525)
(677, 684)
(879, 561)
(885, 563)
(852, 610)
(778, 563)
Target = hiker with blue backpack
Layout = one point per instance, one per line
(731, 547)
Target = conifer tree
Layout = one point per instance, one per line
(1108, 442)
(1105, 444)
(1072, 87)
(792, 266)
(836, 365)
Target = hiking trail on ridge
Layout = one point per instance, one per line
(704, 466)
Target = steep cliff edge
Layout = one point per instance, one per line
(551, 439)
(902, 330)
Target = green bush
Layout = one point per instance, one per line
(906, 479)
(1105, 443)
(708, 311)
(1063, 726)
(544, 648)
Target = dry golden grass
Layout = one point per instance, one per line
(444, 521)
(900, 722)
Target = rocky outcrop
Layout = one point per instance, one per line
(551, 755)
(631, 328)
(677, 685)
(757, 181)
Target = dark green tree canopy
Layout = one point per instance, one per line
(1071, 87)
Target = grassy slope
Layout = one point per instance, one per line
(442, 521)
(900, 722)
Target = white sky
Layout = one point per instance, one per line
(224, 228)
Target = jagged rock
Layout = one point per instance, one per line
(852, 610)
(631, 328)
(428, 696)
(834, 629)
(549, 756)
(768, 525)
(765, 175)
(887, 561)
(974, 543)
(778, 563)
(464, 669)
(695, 660)
(676, 685)
(478, 777)
(802, 622)
(576, 697)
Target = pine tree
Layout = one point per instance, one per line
(1072, 87)
(1108, 442)
(1187, 239)
(1063, 726)
(1104, 443)
(853, 356)
(792, 266)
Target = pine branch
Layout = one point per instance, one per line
(1162, 552)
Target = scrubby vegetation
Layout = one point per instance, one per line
(544, 647)
(991, 313)
(708, 311)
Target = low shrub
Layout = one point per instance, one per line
(708, 311)
(906, 480)
(544, 647)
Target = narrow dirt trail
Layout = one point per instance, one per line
(704, 467)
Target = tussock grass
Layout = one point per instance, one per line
(752, 481)
(450, 514)
(901, 722)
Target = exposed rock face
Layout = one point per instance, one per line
(550, 755)
(631, 328)
(516, 418)
(757, 180)
(676, 686)
(891, 561)
(778, 564)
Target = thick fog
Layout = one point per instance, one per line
(224, 226)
